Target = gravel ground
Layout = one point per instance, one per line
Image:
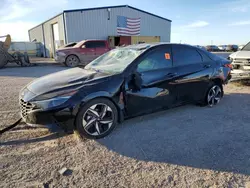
(187, 146)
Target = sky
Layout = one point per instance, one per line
(198, 22)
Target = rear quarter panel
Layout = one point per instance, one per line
(221, 72)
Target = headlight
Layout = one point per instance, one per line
(48, 101)
(47, 96)
(60, 54)
(45, 104)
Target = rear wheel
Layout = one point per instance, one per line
(96, 119)
(214, 95)
(72, 61)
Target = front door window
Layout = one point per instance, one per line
(156, 91)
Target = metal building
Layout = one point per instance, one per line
(96, 23)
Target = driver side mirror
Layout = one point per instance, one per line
(83, 46)
(135, 82)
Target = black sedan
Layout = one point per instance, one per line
(123, 83)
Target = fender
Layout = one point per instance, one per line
(105, 94)
(97, 94)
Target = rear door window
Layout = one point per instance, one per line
(205, 58)
(95, 44)
(100, 44)
(185, 55)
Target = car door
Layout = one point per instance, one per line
(157, 90)
(194, 69)
(101, 48)
(87, 52)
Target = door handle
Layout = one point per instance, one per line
(171, 74)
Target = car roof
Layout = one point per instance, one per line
(151, 45)
(94, 40)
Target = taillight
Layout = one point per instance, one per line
(229, 66)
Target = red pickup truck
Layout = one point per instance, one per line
(82, 52)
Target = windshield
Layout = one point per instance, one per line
(247, 47)
(114, 61)
(79, 44)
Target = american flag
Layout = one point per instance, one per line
(128, 26)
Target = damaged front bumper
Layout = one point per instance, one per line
(60, 59)
(43, 118)
(38, 117)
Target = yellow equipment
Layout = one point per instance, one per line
(16, 57)
(7, 42)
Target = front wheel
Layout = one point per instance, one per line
(72, 61)
(214, 95)
(96, 119)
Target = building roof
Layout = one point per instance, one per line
(46, 21)
(119, 6)
(96, 8)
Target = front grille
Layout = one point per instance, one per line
(241, 61)
(26, 107)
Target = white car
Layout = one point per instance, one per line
(240, 47)
(241, 60)
(222, 47)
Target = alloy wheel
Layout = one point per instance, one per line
(214, 95)
(98, 119)
(72, 61)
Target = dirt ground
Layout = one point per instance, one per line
(188, 146)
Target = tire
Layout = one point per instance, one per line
(3, 60)
(72, 61)
(18, 58)
(214, 94)
(26, 58)
(91, 121)
(3, 56)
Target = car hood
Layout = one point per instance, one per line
(240, 55)
(65, 49)
(64, 79)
